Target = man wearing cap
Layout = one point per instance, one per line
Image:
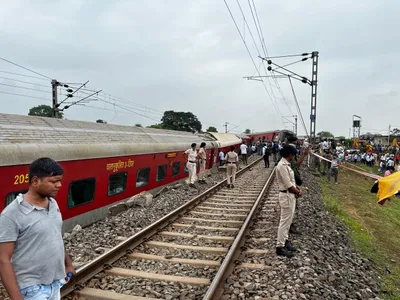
(191, 155)
(288, 192)
(232, 161)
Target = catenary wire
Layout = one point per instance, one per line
(25, 88)
(251, 57)
(258, 51)
(257, 24)
(27, 82)
(18, 74)
(298, 107)
(25, 68)
(15, 94)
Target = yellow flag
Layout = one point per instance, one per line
(388, 186)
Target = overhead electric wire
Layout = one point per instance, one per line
(298, 107)
(25, 88)
(251, 57)
(18, 74)
(257, 24)
(15, 94)
(25, 68)
(129, 109)
(258, 51)
(27, 82)
(103, 95)
(143, 107)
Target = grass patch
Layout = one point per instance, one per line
(374, 229)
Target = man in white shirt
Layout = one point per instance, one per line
(325, 146)
(191, 155)
(221, 157)
(243, 152)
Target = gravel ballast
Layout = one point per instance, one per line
(325, 266)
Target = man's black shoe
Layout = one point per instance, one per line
(202, 181)
(232, 186)
(282, 251)
(289, 246)
(293, 229)
(192, 185)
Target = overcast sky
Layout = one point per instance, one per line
(188, 56)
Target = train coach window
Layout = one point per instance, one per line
(81, 192)
(161, 172)
(117, 183)
(176, 167)
(11, 196)
(143, 177)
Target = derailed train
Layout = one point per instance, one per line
(103, 163)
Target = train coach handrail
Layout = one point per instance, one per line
(217, 285)
(105, 260)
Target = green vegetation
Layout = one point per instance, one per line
(43, 111)
(374, 229)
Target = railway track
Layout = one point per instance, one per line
(188, 254)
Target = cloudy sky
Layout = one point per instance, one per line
(152, 56)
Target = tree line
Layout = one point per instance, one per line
(171, 120)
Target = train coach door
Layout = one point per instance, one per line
(211, 158)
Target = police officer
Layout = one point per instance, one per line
(191, 155)
(202, 156)
(295, 165)
(288, 192)
(231, 160)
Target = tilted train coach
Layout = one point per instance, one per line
(103, 163)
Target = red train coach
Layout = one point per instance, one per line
(270, 136)
(103, 163)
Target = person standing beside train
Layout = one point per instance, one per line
(221, 157)
(190, 156)
(243, 152)
(232, 161)
(202, 156)
(288, 192)
(32, 256)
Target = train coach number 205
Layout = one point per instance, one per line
(20, 179)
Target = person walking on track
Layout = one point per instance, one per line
(243, 152)
(288, 192)
(231, 160)
(266, 153)
(191, 155)
(32, 257)
(202, 156)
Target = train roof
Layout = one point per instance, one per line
(225, 139)
(25, 138)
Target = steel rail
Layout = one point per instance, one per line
(105, 260)
(216, 288)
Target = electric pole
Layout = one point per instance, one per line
(295, 125)
(54, 85)
(226, 127)
(314, 81)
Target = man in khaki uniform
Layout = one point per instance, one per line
(231, 160)
(202, 156)
(191, 156)
(288, 192)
